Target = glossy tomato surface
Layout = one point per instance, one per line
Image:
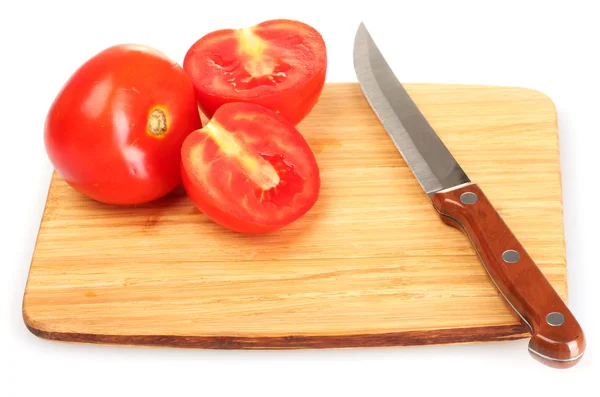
(114, 131)
(279, 64)
(249, 169)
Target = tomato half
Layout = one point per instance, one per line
(280, 64)
(249, 169)
(114, 131)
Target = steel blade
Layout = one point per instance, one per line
(428, 158)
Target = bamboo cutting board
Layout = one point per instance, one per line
(371, 264)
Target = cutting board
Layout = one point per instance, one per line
(371, 264)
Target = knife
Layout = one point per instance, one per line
(557, 338)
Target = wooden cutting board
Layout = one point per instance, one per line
(370, 265)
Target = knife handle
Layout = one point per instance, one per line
(557, 339)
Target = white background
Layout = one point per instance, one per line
(541, 45)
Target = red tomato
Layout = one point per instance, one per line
(279, 64)
(115, 130)
(249, 169)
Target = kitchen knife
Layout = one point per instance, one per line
(557, 339)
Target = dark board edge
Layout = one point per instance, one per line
(392, 339)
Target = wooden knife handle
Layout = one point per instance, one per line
(557, 339)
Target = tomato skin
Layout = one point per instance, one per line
(217, 163)
(115, 129)
(297, 49)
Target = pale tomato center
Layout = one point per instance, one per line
(256, 66)
(259, 170)
(289, 185)
(250, 43)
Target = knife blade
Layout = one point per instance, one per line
(557, 338)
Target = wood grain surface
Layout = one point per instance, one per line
(371, 264)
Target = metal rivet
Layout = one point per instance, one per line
(468, 198)
(555, 319)
(511, 256)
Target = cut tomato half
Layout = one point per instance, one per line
(249, 169)
(280, 64)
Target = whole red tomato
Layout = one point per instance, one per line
(279, 64)
(115, 130)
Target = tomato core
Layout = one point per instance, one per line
(290, 182)
(250, 43)
(254, 67)
(259, 170)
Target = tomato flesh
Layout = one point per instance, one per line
(249, 169)
(114, 132)
(279, 64)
